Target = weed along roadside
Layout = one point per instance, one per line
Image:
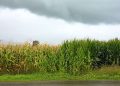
(72, 60)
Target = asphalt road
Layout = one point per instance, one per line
(62, 83)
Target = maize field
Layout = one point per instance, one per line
(73, 57)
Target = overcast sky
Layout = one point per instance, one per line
(53, 21)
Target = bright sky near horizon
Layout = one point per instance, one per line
(54, 21)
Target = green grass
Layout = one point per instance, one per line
(36, 77)
(105, 73)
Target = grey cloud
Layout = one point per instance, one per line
(85, 11)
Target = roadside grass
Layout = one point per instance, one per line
(36, 77)
(105, 73)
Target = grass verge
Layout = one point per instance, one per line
(105, 73)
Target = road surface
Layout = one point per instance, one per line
(62, 83)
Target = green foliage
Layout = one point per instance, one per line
(76, 56)
(73, 57)
(16, 59)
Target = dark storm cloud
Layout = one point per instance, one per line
(85, 11)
